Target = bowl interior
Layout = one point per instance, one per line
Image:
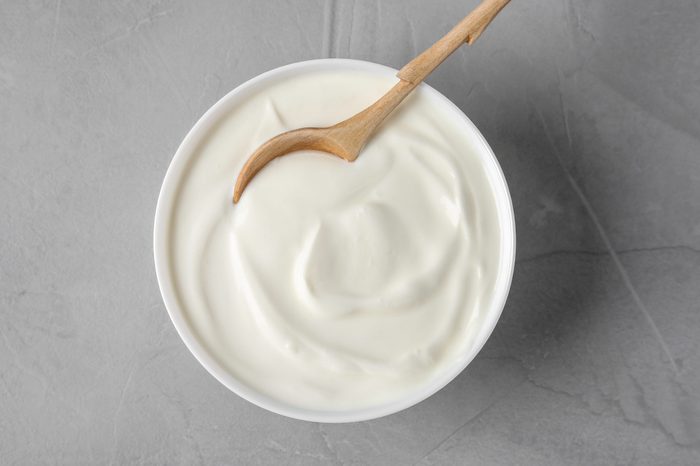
(166, 206)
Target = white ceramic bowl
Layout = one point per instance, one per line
(166, 207)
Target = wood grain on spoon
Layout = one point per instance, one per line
(347, 138)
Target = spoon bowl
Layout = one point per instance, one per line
(345, 139)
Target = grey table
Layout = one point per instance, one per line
(593, 109)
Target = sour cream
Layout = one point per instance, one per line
(335, 285)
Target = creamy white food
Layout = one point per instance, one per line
(336, 285)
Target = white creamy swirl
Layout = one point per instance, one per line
(383, 246)
(336, 285)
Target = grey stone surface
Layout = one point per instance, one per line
(593, 108)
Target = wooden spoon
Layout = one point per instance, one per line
(347, 138)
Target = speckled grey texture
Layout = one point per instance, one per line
(593, 109)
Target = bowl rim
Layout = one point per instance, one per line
(165, 205)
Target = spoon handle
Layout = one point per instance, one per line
(468, 30)
(353, 133)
